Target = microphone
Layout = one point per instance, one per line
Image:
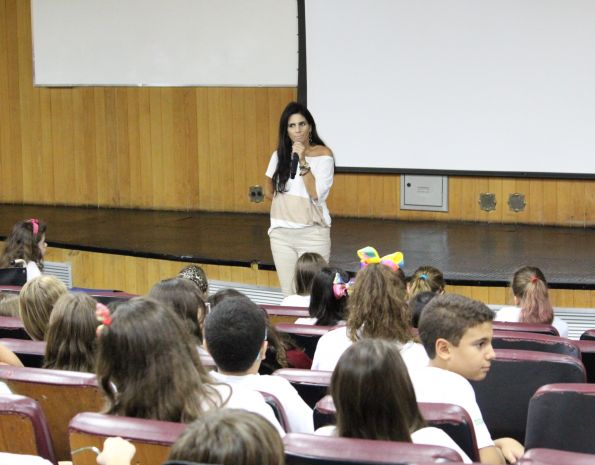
(295, 158)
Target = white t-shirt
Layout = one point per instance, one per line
(296, 300)
(429, 436)
(250, 400)
(513, 314)
(33, 271)
(332, 345)
(436, 385)
(294, 208)
(299, 415)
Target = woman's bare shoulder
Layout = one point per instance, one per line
(319, 151)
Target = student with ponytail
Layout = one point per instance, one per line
(26, 242)
(532, 303)
(426, 279)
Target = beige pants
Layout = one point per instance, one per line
(288, 244)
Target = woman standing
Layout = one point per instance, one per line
(300, 220)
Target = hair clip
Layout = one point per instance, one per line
(534, 279)
(423, 276)
(369, 255)
(35, 223)
(102, 314)
(340, 287)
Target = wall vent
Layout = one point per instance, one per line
(60, 270)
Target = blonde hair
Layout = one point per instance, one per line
(9, 304)
(426, 279)
(530, 287)
(36, 300)
(230, 437)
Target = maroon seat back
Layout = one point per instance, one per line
(304, 336)
(12, 328)
(30, 353)
(587, 348)
(309, 449)
(282, 314)
(525, 327)
(153, 439)
(311, 385)
(61, 395)
(278, 409)
(562, 416)
(555, 457)
(503, 396)
(23, 428)
(518, 340)
(452, 419)
(588, 335)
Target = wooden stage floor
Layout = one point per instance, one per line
(467, 253)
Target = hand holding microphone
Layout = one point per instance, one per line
(297, 153)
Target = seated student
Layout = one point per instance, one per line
(222, 437)
(374, 398)
(236, 338)
(36, 301)
(417, 304)
(26, 242)
(198, 276)
(376, 309)
(185, 298)
(532, 302)
(148, 367)
(281, 351)
(426, 278)
(327, 300)
(71, 336)
(307, 266)
(457, 334)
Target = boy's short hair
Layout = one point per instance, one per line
(234, 331)
(449, 316)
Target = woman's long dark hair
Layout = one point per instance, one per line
(23, 243)
(324, 306)
(281, 174)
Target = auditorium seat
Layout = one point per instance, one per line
(61, 395)
(452, 419)
(23, 428)
(304, 336)
(309, 449)
(153, 439)
(562, 416)
(533, 341)
(555, 457)
(281, 314)
(525, 327)
(587, 348)
(12, 328)
(30, 353)
(588, 335)
(503, 396)
(311, 385)
(14, 276)
(278, 409)
(207, 361)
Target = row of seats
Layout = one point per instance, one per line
(543, 410)
(28, 433)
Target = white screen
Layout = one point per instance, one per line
(449, 85)
(159, 42)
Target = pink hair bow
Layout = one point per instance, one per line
(340, 287)
(369, 255)
(103, 316)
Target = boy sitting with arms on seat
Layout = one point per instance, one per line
(236, 337)
(457, 335)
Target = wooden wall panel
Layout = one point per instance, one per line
(198, 149)
(137, 275)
